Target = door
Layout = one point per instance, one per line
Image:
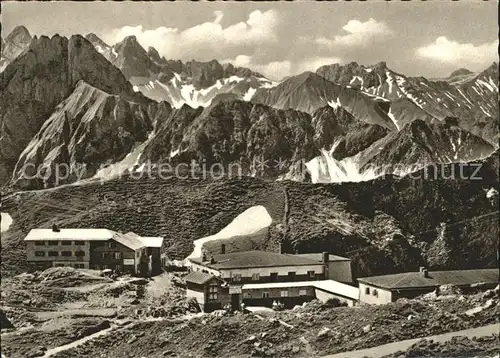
(235, 301)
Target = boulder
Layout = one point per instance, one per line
(324, 331)
(4, 321)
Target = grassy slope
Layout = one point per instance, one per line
(384, 224)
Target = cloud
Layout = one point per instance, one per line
(277, 70)
(358, 34)
(207, 40)
(452, 52)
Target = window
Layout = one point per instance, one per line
(274, 276)
(40, 253)
(256, 277)
(302, 292)
(80, 253)
(105, 255)
(111, 244)
(291, 275)
(53, 253)
(212, 296)
(213, 289)
(367, 291)
(66, 253)
(78, 266)
(247, 295)
(311, 274)
(59, 265)
(118, 255)
(236, 277)
(265, 294)
(284, 293)
(65, 243)
(53, 243)
(40, 243)
(79, 242)
(375, 293)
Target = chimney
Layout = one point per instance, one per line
(326, 257)
(425, 273)
(222, 249)
(55, 228)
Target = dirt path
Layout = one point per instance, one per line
(65, 347)
(386, 349)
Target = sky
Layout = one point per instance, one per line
(278, 39)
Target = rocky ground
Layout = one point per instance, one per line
(160, 325)
(48, 309)
(484, 347)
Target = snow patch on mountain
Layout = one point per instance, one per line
(5, 222)
(265, 83)
(173, 153)
(491, 193)
(180, 90)
(248, 96)
(335, 104)
(326, 169)
(128, 163)
(491, 85)
(393, 118)
(254, 221)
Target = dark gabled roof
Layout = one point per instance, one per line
(198, 277)
(130, 240)
(319, 257)
(247, 259)
(436, 278)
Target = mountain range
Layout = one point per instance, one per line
(80, 101)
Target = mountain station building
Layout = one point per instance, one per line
(97, 249)
(257, 278)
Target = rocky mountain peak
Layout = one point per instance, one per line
(131, 39)
(132, 59)
(306, 77)
(129, 46)
(19, 34)
(493, 69)
(13, 45)
(460, 72)
(94, 39)
(154, 54)
(353, 64)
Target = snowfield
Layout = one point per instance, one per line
(5, 222)
(250, 222)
